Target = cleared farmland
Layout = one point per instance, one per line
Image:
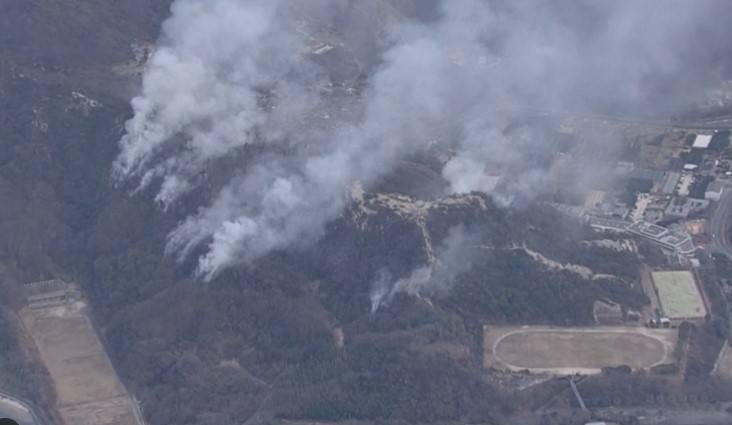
(576, 350)
(88, 389)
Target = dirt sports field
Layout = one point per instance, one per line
(567, 351)
(87, 387)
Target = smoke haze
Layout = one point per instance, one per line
(454, 256)
(338, 91)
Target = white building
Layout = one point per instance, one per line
(702, 141)
(714, 191)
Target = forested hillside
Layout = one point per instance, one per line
(292, 335)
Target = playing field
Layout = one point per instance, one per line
(679, 295)
(576, 350)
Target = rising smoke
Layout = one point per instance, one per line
(454, 256)
(229, 74)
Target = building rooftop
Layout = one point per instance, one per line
(715, 186)
(702, 141)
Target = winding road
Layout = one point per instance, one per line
(19, 410)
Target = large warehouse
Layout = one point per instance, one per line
(679, 295)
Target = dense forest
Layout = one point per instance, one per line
(260, 338)
(292, 335)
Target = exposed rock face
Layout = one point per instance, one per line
(399, 234)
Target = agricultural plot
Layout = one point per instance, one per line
(88, 389)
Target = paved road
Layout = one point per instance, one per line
(646, 415)
(18, 410)
(719, 225)
(720, 123)
(688, 417)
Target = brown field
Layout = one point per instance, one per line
(87, 387)
(567, 351)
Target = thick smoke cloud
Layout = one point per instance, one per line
(202, 88)
(403, 76)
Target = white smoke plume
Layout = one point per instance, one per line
(201, 89)
(228, 74)
(453, 257)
